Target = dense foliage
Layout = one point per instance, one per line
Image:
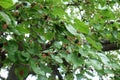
(64, 38)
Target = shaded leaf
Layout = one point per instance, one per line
(21, 72)
(12, 47)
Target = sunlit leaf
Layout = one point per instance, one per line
(6, 3)
(59, 11)
(95, 44)
(80, 26)
(96, 64)
(58, 44)
(36, 68)
(57, 58)
(71, 29)
(5, 17)
(40, 77)
(104, 58)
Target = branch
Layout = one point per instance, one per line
(56, 71)
(111, 46)
(11, 74)
(107, 45)
(2, 57)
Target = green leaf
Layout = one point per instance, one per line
(104, 58)
(80, 26)
(41, 77)
(92, 54)
(58, 44)
(5, 17)
(73, 58)
(15, 31)
(108, 71)
(36, 68)
(22, 29)
(6, 3)
(49, 35)
(26, 55)
(69, 77)
(12, 47)
(79, 76)
(11, 56)
(95, 44)
(98, 26)
(31, 51)
(58, 1)
(63, 54)
(45, 68)
(71, 29)
(115, 34)
(114, 65)
(57, 58)
(95, 63)
(21, 72)
(90, 73)
(58, 11)
(108, 14)
(19, 57)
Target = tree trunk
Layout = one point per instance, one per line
(11, 74)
